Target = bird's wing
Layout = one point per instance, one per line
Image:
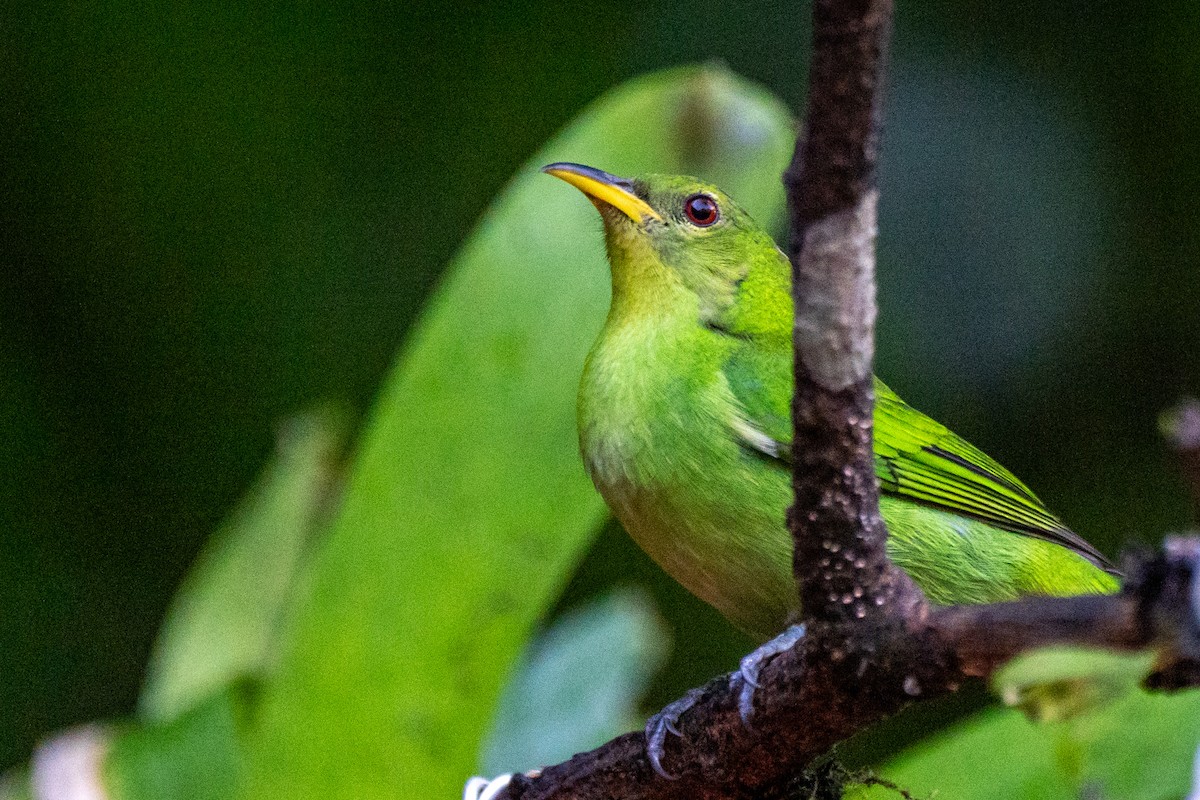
(915, 457)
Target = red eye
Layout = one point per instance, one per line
(701, 210)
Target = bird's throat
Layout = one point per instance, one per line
(641, 282)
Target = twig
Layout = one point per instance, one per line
(1181, 427)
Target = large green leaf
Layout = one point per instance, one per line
(467, 506)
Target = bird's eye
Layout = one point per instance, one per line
(701, 210)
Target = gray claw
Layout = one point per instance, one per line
(747, 675)
(663, 722)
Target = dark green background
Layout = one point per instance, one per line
(213, 217)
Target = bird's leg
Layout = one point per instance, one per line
(663, 722)
(751, 665)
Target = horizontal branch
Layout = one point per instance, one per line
(984, 637)
(807, 701)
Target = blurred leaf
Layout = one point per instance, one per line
(195, 756)
(1140, 747)
(222, 626)
(224, 622)
(467, 506)
(578, 686)
(1056, 683)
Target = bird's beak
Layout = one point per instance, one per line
(600, 187)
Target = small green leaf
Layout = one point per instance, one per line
(1057, 683)
(224, 621)
(578, 684)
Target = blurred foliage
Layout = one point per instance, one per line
(225, 621)
(578, 685)
(380, 655)
(1140, 747)
(215, 216)
(197, 755)
(1059, 683)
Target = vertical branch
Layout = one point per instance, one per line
(840, 561)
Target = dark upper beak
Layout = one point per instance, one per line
(601, 187)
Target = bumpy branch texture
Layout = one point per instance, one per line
(840, 563)
(810, 699)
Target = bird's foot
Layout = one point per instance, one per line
(747, 675)
(482, 789)
(662, 723)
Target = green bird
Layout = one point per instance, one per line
(685, 428)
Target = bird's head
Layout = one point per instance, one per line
(671, 234)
